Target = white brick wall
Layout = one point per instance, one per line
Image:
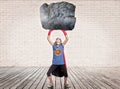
(95, 41)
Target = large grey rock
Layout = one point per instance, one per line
(60, 15)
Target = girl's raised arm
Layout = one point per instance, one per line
(48, 37)
(66, 37)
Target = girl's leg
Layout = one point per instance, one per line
(65, 80)
(66, 85)
(51, 69)
(63, 68)
(50, 79)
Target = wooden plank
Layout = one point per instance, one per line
(62, 82)
(74, 79)
(4, 69)
(54, 84)
(8, 73)
(4, 72)
(95, 78)
(42, 82)
(89, 80)
(22, 78)
(15, 79)
(106, 83)
(116, 81)
(109, 82)
(69, 81)
(7, 79)
(41, 75)
(78, 78)
(33, 79)
(58, 83)
(28, 79)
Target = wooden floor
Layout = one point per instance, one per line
(79, 78)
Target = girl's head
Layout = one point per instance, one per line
(58, 41)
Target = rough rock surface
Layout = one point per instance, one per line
(60, 15)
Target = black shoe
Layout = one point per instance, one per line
(50, 86)
(66, 86)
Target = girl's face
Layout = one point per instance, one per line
(58, 41)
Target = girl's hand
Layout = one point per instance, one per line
(49, 33)
(48, 37)
(64, 32)
(66, 37)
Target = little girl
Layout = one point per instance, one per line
(58, 67)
